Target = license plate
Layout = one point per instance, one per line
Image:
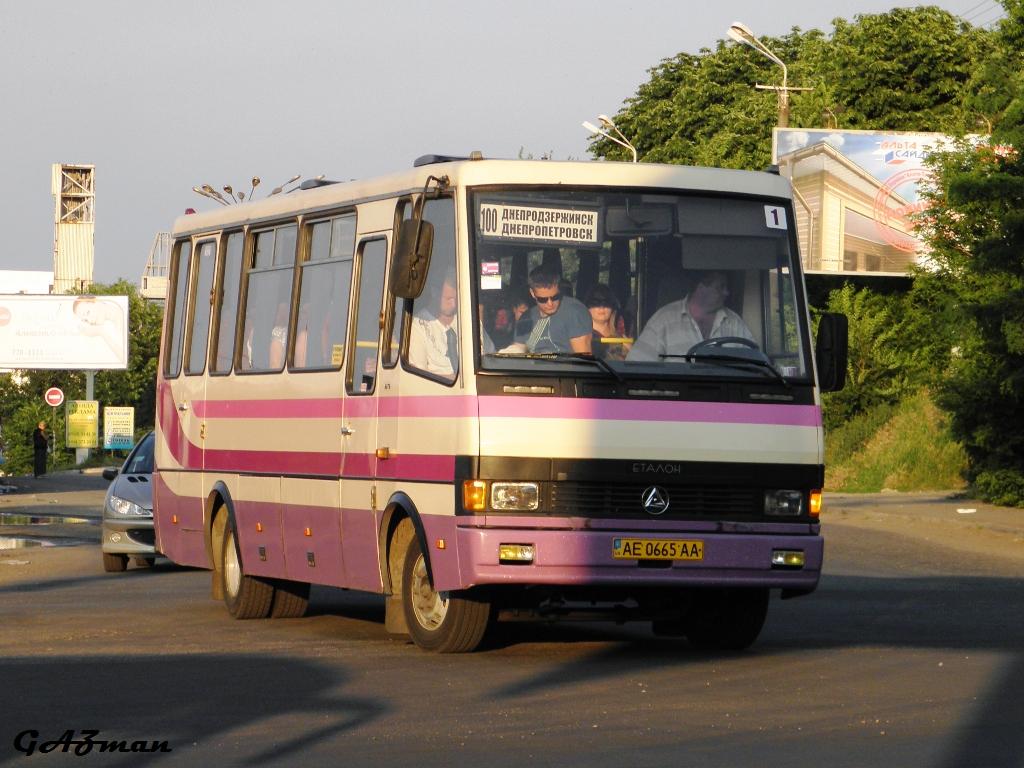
(657, 549)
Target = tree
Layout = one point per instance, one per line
(975, 228)
(907, 69)
(21, 395)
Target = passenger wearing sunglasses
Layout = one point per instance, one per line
(556, 322)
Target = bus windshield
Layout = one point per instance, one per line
(648, 284)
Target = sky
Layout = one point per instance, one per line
(163, 96)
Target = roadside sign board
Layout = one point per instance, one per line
(63, 332)
(82, 418)
(118, 427)
(54, 396)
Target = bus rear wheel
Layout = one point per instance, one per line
(439, 621)
(246, 597)
(726, 619)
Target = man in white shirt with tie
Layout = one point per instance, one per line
(433, 337)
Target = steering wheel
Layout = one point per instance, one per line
(721, 341)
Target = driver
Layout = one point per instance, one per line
(700, 315)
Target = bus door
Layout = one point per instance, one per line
(191, 395)
(360, 441)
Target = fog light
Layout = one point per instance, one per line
(784, 503)
(515, 553)
(514, 496)
(787, 558)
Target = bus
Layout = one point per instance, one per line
(492, 390)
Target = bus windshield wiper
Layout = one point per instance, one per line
(729, 361)
(576, 357)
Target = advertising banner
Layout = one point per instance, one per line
(63, 332)
(118, 427)
(82, 420)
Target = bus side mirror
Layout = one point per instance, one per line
(831, 351)
(411, 258)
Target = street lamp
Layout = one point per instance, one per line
(606, 121)
(741, 33)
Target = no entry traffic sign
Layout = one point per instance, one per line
(54, 396)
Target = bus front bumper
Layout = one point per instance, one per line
(588, 557)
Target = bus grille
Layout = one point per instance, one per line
(685, 501)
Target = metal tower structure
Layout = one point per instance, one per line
(74, 195)
(153, 285)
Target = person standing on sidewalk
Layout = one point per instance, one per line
(40, 444)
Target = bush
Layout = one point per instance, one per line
(1001, 486)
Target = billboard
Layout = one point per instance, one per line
(63, 332)
(858, 191)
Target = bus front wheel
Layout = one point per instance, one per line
(726, 619)
(439, 621)
(246, 597)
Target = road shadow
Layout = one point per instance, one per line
(195, 703)
(963, 614)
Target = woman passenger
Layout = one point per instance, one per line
(609, 327)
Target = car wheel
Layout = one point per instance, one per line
(114, 563)
(144, 562)
(445, 622)
(246, 597)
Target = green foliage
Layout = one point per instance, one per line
(975, 228)
(908, 69)
(21, 395)
(902, 448)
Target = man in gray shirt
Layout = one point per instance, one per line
(556, 323)
(702, 314)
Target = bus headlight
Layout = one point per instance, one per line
(784, 503)
(515, 496)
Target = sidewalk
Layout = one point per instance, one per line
(61, 481)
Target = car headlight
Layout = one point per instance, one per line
(515, 496)
(784, 503)
(119, 507)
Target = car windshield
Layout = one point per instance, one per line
(652, 284)
(140, 461)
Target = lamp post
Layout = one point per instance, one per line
(741, 34)
(606, 121)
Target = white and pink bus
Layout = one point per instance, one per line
(493, 389)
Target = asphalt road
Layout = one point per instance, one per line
(911, 653)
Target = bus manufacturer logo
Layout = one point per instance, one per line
(655, 500)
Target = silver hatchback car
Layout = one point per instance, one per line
(128, 511)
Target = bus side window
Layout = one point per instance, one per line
(325, 276)
(206, 262)
(362, 368)
(433, 333)
(268, 301)
(227, 306)
(178, 309)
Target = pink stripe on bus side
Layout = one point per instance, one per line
(312, 408)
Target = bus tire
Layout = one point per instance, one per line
(246, 597)
(291, 599)
(114, 563)
(439, 621)
(726, 619)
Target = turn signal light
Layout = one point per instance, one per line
(474, 495)
(815, 503)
